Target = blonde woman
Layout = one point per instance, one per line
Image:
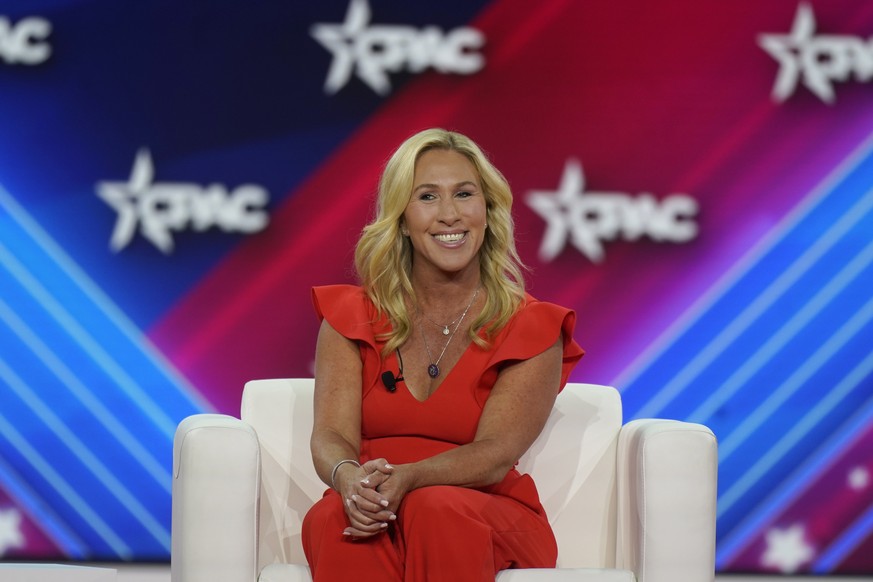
(432, 378)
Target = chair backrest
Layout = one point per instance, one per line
(572, 463)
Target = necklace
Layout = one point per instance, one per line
(433, 369)
(445, 327)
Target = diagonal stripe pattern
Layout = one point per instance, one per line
(93, 425)
(775, 336)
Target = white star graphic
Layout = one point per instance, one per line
(341, 41)
(787, 549)
(10, 530)
(797, 57)
(564, 213)
(123, 196)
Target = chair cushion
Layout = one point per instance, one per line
(298, 573)
(285, 573)
(566, 575)
(573, 465)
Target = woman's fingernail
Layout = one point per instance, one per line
(393, 517)
(383, 525)
(384, 503)
(348, 502)
(387, 466)
(345, 533)
(355, 498)
(365, 481)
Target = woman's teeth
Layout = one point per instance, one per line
(449, 238)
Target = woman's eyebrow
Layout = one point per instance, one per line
(458, 185)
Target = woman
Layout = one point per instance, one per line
(431, 380)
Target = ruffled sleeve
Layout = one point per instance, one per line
(532, 331)
(349, 311)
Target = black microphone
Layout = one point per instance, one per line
(390, 381)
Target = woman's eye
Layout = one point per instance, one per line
(427, 196)
(463, 194)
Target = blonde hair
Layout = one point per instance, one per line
(383, 256)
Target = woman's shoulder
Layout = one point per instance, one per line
(533, 310)
(347, 308)
(534, 327)
(330, 295)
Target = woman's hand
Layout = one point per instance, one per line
(395, 487)
(366, 508)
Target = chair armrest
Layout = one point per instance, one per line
(666, 479)
(216, 472)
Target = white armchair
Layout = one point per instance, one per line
(632, 503)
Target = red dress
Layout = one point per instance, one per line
(446, 532)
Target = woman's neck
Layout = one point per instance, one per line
(446, 294)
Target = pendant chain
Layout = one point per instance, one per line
(445, 327)
(433, 369)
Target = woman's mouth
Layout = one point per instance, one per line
(452, 238)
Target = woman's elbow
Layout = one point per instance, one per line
(498, 471)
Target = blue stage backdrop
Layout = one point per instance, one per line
(694, 178)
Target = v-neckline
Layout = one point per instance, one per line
(445, 378)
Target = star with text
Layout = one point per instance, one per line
(372, 52)
(588, 219)
(161, 208)
(816, 60)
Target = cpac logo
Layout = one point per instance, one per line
(816, 61)
(587, 219)
(163, 208)
(25, 43)
(374, 51)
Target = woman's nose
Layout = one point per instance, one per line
(449, 211)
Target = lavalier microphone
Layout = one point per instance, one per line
(390, 380)
(388, 377)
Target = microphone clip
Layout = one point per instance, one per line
(389, 379)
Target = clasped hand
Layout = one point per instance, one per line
(372, 496)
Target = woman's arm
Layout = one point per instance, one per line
(336, 433)
(513, 417)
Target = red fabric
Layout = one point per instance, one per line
(450, 533)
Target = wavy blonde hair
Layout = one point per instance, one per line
(383, 256)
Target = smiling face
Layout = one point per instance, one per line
(445, 216)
